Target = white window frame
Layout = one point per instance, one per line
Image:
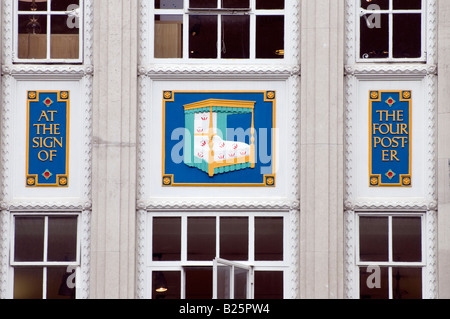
(390, 263)
(185, 12)
(48, 13)
(45, 264)
(359, 13)
(180, 266)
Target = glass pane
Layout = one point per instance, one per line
(32, 42)
(407, 35)
(235, 37)
(223, 281)
(28, 5)
(199, 283)
(60, 283)
(64, 5)
(407, 4)
(373, 238)
(29, 239)
(270, 37)
(201, 238)
(374, 36)
(166, 238)
(269, 238)
(166, 285)
(168, 4)
(407, 283)
(269, 4)
(375, 4)
(203, 3)
(268, 285)
(168, 36)
(373, 283)
(202, 36)
(65, 40)
(234, 238)
(236, 4)
(240, 283)
(407, 239)
(62, 238)
(28, 283)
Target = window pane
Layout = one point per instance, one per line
(236, 37)
(199, 284)
(407, 4)
(27, 5)
(223, 281)
(234, 238)
(62, 238)
(374, 36)
(28, 283)
(240, 283)
(373, 238)
(65, 38)
(32, 42)
(166, 239)
(64, 5)
(268, 238)
(270, 37)
(407, 239)
(166, 285)
(375, 4)
(60, 283)
(202, 36)
(407, 35)
(29, 239)
(168, 4)
(268, 285)
(203, 3)
(407, 283)
(235, 4)
(373, 283)
(168, 36)
(201, 240)
(269, 4)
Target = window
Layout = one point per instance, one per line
(219, 29)
(391, 30)
(391, 257)
(45, 256)
(233, 256)
(48, 31)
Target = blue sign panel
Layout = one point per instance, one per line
(48, 139)
(390, 138)
(218, 138)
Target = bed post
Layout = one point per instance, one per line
(211, 144)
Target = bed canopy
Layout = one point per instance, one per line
(206, 147)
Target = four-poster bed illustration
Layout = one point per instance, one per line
(207, 147)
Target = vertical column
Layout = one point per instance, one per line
(443, 149)
(321, 178)
(114, 149)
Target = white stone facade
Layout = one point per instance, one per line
(116, 121)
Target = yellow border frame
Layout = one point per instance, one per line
(404, 179)
(269, 180)
(62, 180)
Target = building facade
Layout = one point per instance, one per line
(266, 149)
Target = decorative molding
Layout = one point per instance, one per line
(214, 205)
(374, 69)
(4, 253)
(140, 253)
(186, 71)
(350, 273)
